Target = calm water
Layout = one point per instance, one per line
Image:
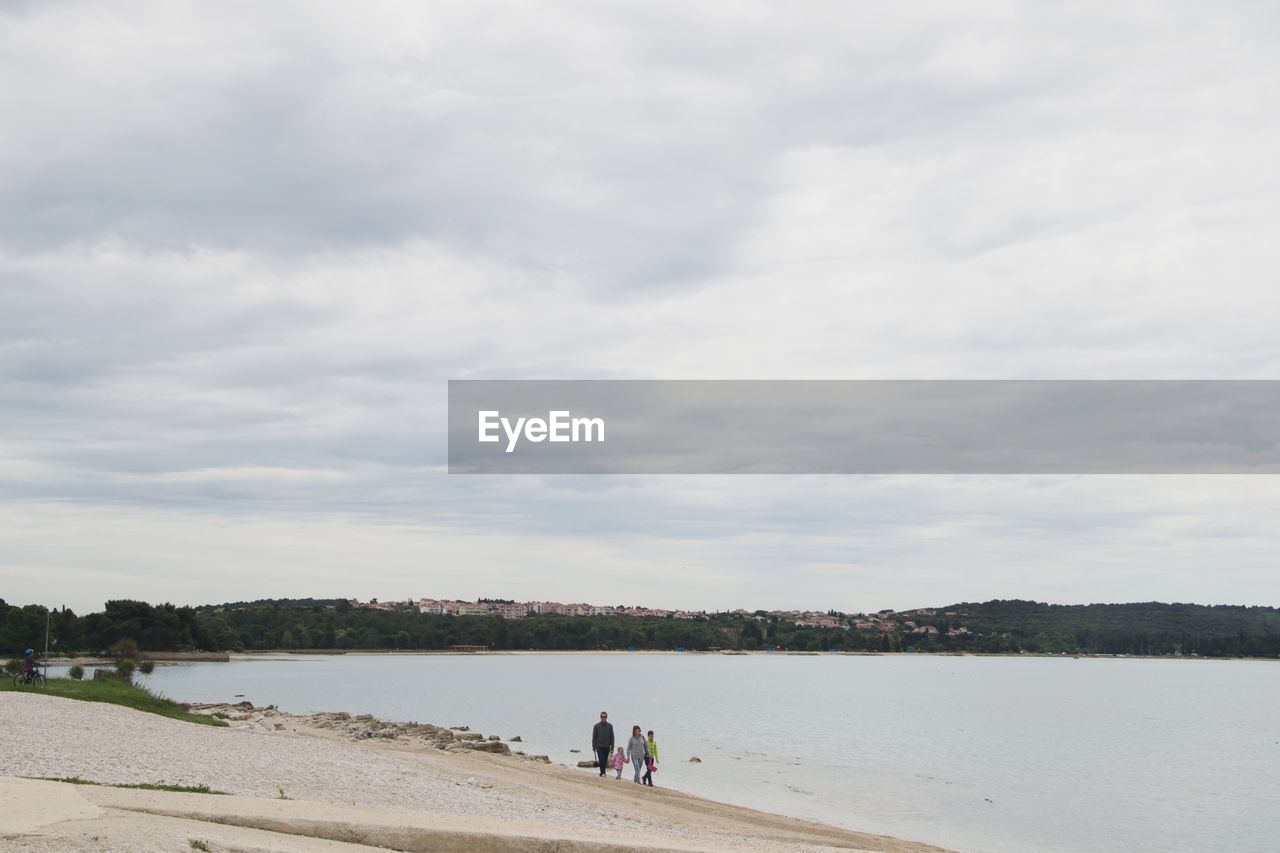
(981, 754)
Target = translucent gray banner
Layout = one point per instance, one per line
(864, 427)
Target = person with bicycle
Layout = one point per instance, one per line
(29, 665)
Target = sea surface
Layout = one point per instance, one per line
(972, 753)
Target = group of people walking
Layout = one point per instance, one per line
(640, 750)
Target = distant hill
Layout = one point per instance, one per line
(275, 602)
(1151, 627)
(992, 627)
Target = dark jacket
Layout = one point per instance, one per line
(602, 736)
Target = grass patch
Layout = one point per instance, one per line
(143, 786)
(115, 692)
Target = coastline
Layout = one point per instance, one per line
(317, 780)
(167, 658)
(294, 653)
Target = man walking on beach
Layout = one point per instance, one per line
(602, 742)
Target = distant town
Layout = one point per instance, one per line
(882, 620)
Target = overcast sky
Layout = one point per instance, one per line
(243, 246)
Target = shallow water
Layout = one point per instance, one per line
(983, 754)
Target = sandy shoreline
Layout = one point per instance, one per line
(344, 787)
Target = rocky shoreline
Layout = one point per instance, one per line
(359, 727)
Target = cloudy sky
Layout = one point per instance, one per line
(243, 247)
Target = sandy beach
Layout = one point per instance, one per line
(295, 785)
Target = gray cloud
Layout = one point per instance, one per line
(242, 248)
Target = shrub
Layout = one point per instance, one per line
(125, 649)
(146, 667)
(125, 668)
(76, 672)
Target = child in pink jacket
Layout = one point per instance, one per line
(618, 762)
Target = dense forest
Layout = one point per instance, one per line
(1011, 626)
(1148, 628)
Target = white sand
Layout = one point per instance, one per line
(508, 801)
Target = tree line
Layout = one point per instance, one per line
(991, 627)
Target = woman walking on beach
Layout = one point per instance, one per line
(637, 751)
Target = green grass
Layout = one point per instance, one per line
(144, 786)
(114, 692)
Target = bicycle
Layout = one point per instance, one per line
(22, 679)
